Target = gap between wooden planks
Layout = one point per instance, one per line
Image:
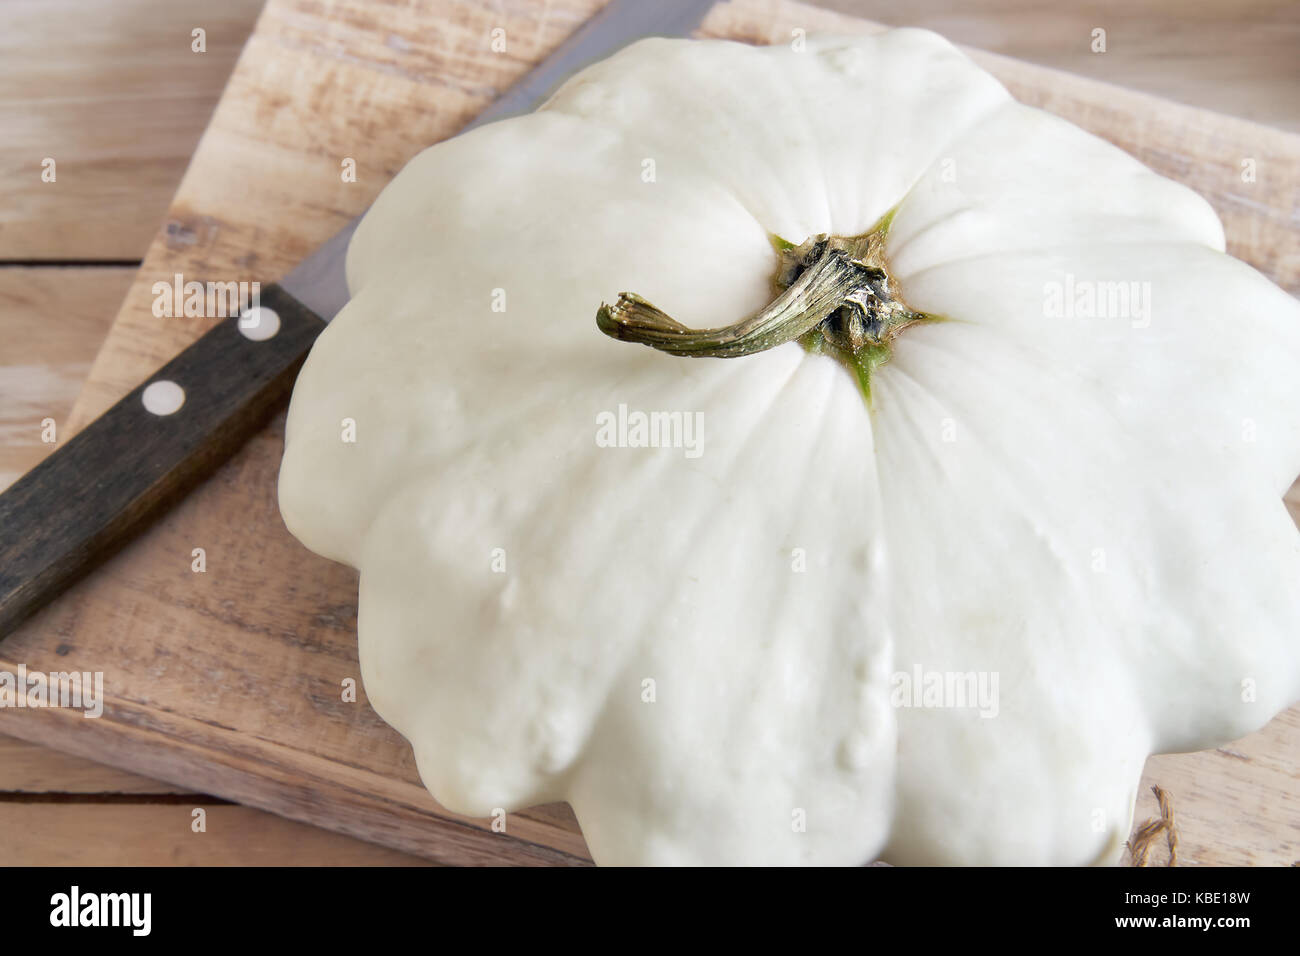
(198, 231)
(57, 810)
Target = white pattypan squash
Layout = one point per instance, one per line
(990, 511)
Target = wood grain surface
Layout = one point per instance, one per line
(118, 110)
(229, 681)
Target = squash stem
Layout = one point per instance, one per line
(836, 292)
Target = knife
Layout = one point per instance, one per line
(126, 467)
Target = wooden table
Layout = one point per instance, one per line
(117, 97)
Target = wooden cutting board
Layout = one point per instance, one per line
(229, 681)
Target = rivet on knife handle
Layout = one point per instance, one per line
(78, 505)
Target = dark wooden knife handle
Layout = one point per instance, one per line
(87, 498)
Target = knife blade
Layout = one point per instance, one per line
(126, 467)
(319, 282)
